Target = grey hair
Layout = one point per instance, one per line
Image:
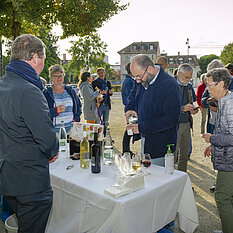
(25, 46)
(203, 77)
(143, 61)
(220, 74)
(185, 68)
(216, 63)
(56, 68)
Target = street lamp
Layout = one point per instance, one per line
(188, 46)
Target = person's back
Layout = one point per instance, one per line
(27, 136)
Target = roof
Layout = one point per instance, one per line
(176, 60)
(140, 47)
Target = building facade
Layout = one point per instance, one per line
(176, 60)
(127, 54)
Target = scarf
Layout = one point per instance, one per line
(24, 70)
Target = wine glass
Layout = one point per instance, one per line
(136, 162)
(146, 161)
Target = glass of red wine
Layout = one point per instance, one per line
(146, 161)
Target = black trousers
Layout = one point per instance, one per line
(32, 210)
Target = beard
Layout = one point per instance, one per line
(148, 80)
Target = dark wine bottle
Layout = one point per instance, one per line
(95, 154)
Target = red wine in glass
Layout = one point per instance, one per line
(146, 163)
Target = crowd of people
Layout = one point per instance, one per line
(31, 115)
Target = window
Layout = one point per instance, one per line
(135, 47)
(171, 61)
(190, 60)
(143, 47)
(151, 47)
(180, 60)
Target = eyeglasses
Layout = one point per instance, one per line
(57, 76)
(141, 76)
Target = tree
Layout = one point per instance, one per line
(227, 54)
(52, 55)
(77, 17)
(87, 53)
(205, 60)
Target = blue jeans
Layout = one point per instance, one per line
(104, 113)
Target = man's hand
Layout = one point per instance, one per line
(190, 108)
(208, 151)
(214, 109)
(129, 113)
(54, 158)
(133, 127)
(110, 92)
(207, 137)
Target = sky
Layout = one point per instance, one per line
(170, 22)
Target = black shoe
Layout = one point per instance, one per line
(212, 188)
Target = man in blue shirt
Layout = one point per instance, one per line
(106, 89)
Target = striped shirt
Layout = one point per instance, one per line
(64, 99)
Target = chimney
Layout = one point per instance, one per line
(178, 53)
(64, 57)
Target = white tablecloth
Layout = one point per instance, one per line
(80, 204)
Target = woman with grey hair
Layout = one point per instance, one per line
(64, 104)
(221, 148)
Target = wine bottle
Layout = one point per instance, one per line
(84, 150)
(95, 154)
(62, 139)
(108, 149)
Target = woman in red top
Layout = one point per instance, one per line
(204, 111)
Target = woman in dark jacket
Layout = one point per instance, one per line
(221, 147)
(64, 104)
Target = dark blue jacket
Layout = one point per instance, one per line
(126, 87)
(98, 83)
(187, 91)
(158, 109)
(27, 137)
(77, 106)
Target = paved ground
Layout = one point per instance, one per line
(200, 170)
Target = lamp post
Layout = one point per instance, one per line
(188, 46)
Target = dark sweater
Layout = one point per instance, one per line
(158, 109)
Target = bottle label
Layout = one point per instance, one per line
(85, 156)
(93, 161)
(169, 163)
(108, 154)
(62, 142)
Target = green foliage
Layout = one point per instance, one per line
(205, 60)
(52, 56)
(87, 54)
(227, 54)
(24, 16)
(77, 17)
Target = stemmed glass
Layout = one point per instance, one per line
(146, 161)
(136, 162)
